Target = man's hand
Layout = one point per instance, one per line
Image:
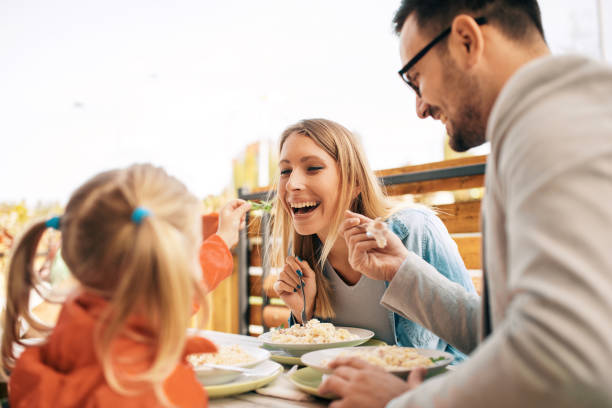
(360, 384)
(364, 254)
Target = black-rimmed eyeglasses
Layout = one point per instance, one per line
(403, 73)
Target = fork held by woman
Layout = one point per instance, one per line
(297, 275)
(304, 319)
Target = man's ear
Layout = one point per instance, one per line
(466, 42)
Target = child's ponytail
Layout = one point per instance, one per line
(150, 225)
(158, 280)
(20, 281)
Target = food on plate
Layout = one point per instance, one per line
(314, 332)
(227, 355)
(389, 357)
(376, 229)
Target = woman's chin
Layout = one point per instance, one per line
(304, 229)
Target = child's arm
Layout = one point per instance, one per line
(215, 256)
(216, 261)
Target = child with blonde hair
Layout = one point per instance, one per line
(132, 239)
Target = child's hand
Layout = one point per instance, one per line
(231, 220)
(288, 288)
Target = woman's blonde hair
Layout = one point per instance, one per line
(146, 270)
(359, 191)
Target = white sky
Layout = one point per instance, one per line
(90, 85)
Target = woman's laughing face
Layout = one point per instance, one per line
(309, 185)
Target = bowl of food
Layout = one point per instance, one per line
(394, 359)
(224, 366)
(297, 339)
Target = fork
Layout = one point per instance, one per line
(303, 298)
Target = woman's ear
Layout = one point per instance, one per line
(466, 41)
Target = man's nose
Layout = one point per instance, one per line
(422, 108)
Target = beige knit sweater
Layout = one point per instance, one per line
(548, 253)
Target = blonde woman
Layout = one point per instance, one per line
(324, 173)
(131, 239)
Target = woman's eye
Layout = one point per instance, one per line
(285, 172)
(315, 168)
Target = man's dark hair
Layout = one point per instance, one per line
(515, 18)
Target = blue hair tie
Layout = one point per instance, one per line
(139, 214)
(53, 222)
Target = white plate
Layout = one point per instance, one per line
(214, 376)
(299, 349)
(318, 359)
(267, 372)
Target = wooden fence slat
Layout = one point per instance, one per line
(255, 315)
(255, 256)
(469, 248)
(273, 315)
(254, 226)
(449, 184)
(464, 161)
(223, 304)
(255, 286)
(460, 217)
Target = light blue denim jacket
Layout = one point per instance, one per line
(423, 233)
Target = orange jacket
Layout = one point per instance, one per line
(216, 261)
(65, 371)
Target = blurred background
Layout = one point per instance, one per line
(204, 88)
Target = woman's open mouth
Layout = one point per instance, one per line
(304, 208)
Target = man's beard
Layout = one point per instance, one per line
(468, 127)
(468, 131)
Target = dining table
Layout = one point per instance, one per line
(252, 399)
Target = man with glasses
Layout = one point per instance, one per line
(542, 333)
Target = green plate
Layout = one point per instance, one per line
(283, 357)
(373, 342)
(308, 380)
(243, 384)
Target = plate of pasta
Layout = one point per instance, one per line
(215, 368)
(394, 359)
(297, 339)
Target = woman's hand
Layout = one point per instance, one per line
(231, 220)
(364, 254)
(287, 286)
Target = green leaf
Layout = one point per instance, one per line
(435, 360)
(261, 205)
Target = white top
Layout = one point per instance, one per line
(359, 305)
